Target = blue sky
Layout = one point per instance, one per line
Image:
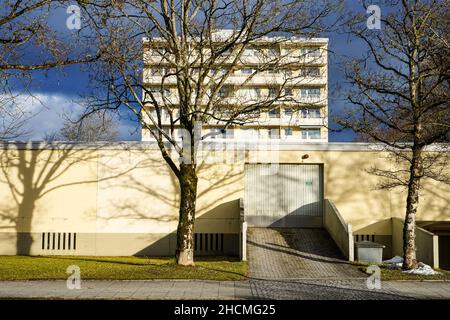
(57, 91)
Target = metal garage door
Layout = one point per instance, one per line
(284, 195)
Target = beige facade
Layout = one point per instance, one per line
(300, 73)
(121, 199)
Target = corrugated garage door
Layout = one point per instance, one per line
(284, 195)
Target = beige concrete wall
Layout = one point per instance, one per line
(339, 230)
(118, 201)
(130, 191)
(397, 237)
(427, 243)
(427, 247)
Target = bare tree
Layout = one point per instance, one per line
(28, 43)
(99, 126)
(400, 94)
(12, 117)
(24, 23)
(188, 37)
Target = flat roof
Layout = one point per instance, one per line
(222, 36)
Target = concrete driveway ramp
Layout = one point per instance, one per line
(293, 253)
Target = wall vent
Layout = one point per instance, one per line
(365, 237)
(61, 241)
(208, 243)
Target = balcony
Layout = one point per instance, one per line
(294, 59)
(274, 79)
(285, 60)
(267, 120)
(239, 80)
(318, 100)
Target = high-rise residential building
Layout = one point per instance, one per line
(291, 71)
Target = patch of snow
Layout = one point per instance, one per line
(423, 269)
(394, 263)
(394, 260)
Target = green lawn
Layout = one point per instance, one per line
(396, 274)
(123, 268)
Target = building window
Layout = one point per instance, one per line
(218, 72)
(227, 133)
(288, 73)
(158, 92)
(288, 132)
(167, 130)
(224, 92)
(159, 72)
(159, 52)
(288, 92)
(182, 133)
(272, 71)
(156, 72)
(155, 132)
(214, 133)
(273, 92)
(220, 133)
(226, 53)
(310, 92)
(249, 93)
(274, 133)
(288, 112)
(310, 134)
(247, 71)
(251, 114)
(258, 52)
(244, 93)
(310, 113)
(274, 113)
(311, 52)
(310, 72)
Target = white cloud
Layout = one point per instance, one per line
(46, 113)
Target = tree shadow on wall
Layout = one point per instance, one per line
(157, 191)
(34, 170)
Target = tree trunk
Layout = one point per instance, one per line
(185, 230)
(23, 226)
(412, 203)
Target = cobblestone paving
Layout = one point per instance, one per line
(123, 289)
(287, 253)
(308, 289)
(349, 289)
(320, 290)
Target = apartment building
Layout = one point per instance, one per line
(291, 71)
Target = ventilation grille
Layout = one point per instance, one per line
(365, 237)
(59, 241)
(208, 243)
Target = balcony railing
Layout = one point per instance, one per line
(172, 99)
(260, 79)
(293, 59)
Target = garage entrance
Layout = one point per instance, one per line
(283, 195)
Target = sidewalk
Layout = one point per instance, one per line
(225, 290)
